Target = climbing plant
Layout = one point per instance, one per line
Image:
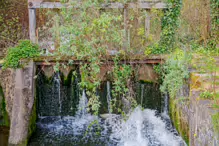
(87, 34)
(214, 40)
(174, 72)
(91, 33)
(121, 74)
(170, 23)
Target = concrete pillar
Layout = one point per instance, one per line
(22, 105)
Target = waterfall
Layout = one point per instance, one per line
(143, 128)
(166, 105)
(108, 97)
(78, 127)
(57, 95)
(142, 94)
(82, 107)
(57, 86)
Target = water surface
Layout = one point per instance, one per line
(4, 134)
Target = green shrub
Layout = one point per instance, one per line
(175, 72)
(25, 49)
(207, 95)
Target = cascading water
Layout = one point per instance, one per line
(55, 96)
(166, 104)
(142, 94)
(108, 97)
(142, 127)
(57, 87)
(82, 107)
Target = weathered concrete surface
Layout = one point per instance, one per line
(4, 119)
(200, 122)
(22, 105)
(192, 116)
(179, 112)
(1, 110)
(7, 81)
(202, 131)
(104, 72)
(147, 73)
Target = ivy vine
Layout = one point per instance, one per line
(214, 40)
(169, 26)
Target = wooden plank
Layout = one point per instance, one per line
(141, 5)
(32, 25)
(125, 39)
(147, 24)
(49, 5)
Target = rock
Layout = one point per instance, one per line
(107, 115)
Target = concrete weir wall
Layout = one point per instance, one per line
(192, 117)
(19, 89)
(18, 86)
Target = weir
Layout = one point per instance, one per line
(46, 105)
(64, 119)
(63, 126)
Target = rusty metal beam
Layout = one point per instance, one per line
(78, 62)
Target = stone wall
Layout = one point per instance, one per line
(201, 126)
(192, 117)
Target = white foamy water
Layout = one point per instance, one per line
(143, 128)
(82, 106)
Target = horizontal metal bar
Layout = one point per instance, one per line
(140, 5)
(77, 62)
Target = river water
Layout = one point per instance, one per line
(63, 119)
(143, 127)
(4, 133)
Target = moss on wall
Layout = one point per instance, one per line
(215, 121)
(6, 121)
(178, 121)
(32, 122)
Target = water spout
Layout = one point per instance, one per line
(108, 97)
(166, 105)
(82, 107)
(142, 94)
(57, 86)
